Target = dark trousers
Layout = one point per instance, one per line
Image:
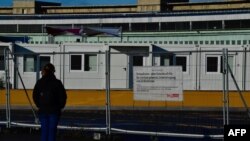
(48, 126)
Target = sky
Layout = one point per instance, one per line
(88, 2)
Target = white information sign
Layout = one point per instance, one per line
(158, 83)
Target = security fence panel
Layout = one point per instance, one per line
(101, 87)
(200, 112)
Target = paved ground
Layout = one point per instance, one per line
(188, 122)
(20, 134)
(17, 134)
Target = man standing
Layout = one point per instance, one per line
(50, 97)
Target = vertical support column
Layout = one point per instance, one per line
(17, 28)
(223, 24)
(7, 87)
(37, 67)
(129, 26)
(159, 29)
(199, 70)
(151, 56)
(225, 88)
(190, 26)
(197, 66)
(62, 61)
(14, 79)
(244, 69)
(43, 35)
(107, 74)
(121, 34)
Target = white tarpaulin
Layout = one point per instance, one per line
(158, 83)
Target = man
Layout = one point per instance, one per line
(50, 96)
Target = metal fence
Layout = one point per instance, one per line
(100, 91)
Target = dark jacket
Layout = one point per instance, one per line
(49, 95)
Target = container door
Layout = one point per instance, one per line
(118, 71)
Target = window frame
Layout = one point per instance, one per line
(83, 65)
(34, 65)
(219, 63)
(84, 59)
(40, 65)
(187, 62)
(172, 60)
(70, 63)
(141, 57)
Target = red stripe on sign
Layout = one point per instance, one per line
(173, 95)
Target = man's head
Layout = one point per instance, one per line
(48, 69)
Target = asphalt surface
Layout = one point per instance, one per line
(19, 134)
(185, 122)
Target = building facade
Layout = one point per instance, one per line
(191, 39)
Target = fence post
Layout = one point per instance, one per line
(7, 85)
(107, 74)
(225, 87)
(244, 68)
(8, 55)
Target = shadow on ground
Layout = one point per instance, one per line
(27, 134)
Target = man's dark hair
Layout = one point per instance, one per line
(49, 68)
